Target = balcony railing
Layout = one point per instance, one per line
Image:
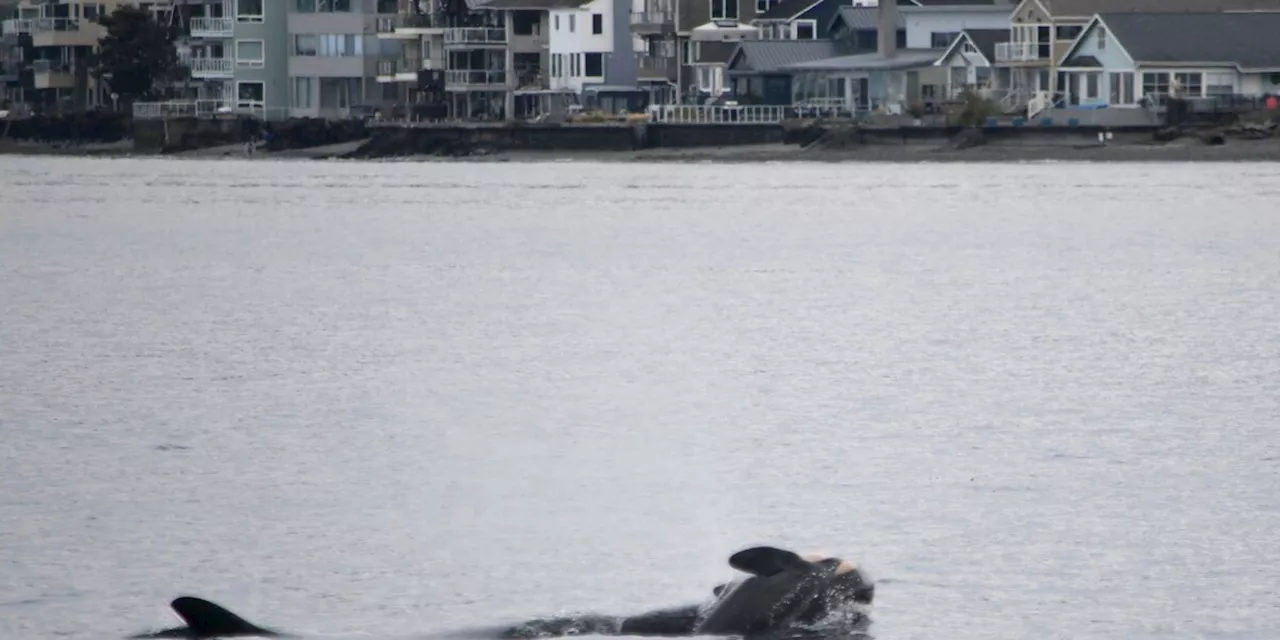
(211, 67)
(650, 66)
(398, 66)
(212, 27)
(467, 78)
(652, 17)
(197, 109)
(39, 25)
(50, 66)
(1017, 51)
(475, 35)
(403, 21)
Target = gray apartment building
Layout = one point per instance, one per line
(287, 58)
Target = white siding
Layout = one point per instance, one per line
(921, 24)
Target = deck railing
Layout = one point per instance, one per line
(716, 114)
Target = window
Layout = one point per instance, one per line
(556, 26)
(968, 48)
(322, 6)
(928, 92)
(1155, 84)
(249, 53)
(1191, 85)
(1122, 88)
(805, 29)
(249, 11)
(597, 24)
(1091, 82)
(686, 53)
(593, 65)
(724, 9)
(339, 93)
(304, 44)
(1069, 33)
(1219, 83)
(941, 39)
(572, 22)
(302, 89)
(251, 92)
(1102, 38)
(764, 5)
(555, 65)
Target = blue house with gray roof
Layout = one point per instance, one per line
(1130, 60)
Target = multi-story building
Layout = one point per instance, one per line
(670, 31)
(237, 54)
(48, 46)
(512, 59)
(334, 52)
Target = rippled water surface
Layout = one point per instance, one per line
(1035, 401)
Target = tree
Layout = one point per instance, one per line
(137, 53)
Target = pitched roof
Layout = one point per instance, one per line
(903, 59)
(788, 9)
(986, 40)
(1249, 40)
(769, 56)
(1087, 8)
(864, 18)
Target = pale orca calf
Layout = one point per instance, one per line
(786, 596)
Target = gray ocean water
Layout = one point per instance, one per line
(389, 400)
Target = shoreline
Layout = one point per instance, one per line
(1182, 150)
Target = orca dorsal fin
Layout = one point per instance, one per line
(207, 620)
(765, 561)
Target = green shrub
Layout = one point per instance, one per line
(975, 109)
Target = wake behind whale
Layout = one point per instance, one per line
(784, 597)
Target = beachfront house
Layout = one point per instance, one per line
(1041, 31)
(758, 73)
(894, 79)
(968, 61)
(1135, 60)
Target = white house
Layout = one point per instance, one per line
(1120, 59)
(970, 60)
(935, 24)
(593, 52)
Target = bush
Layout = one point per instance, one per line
(975, 109)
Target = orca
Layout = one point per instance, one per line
(783, 596)
(783, 593)
(207, 620)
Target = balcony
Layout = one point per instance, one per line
(205, 68)
(62, 32)
(653, 22)
(407, 26)
(475, 37)
(52, 74)
(13, 27)
(401, 70)
(463, 80)
(651, 67)
(1017, 52)
(212, 27)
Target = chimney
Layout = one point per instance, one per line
(887, 35)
